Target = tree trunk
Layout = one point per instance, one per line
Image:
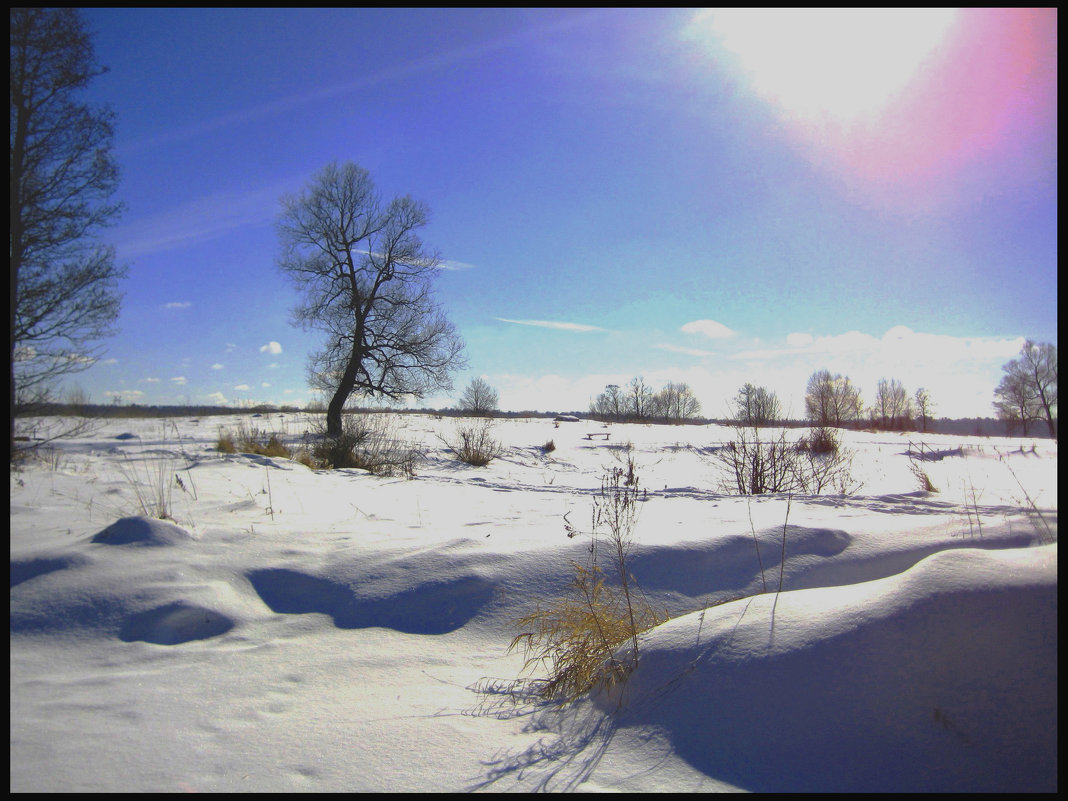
(344, 390)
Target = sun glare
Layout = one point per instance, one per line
(827, 64)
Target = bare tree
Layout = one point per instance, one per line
(924, 406)
(1028, 390)
(63, 281)
(366, 279)
(756, 406)
(639, 399)
(892, 406)
(832, 400)
(609, 405)
(675, 402)
(479, 397)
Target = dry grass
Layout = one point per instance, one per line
(577, 638)
(581, 639)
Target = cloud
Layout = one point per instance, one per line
(217, 366)
(218, 398)
(242, 388)
(150, 380)
(453, 265)
(200, 220)
(271, 347)
(128, 395)
(580, 327)
(709, 328)
(181, 304)
(798, 340)
(179, 380)
(684, 350)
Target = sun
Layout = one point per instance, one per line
(826, 64)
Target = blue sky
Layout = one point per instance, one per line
(674, 194)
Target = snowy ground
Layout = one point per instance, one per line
(300, 630)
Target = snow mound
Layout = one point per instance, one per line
(174, 624)
(942, 678)
(142, 531)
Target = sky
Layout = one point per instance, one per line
(707, 197)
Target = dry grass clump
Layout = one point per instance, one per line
(581, 638)
(549, 447)
(251, 440)
(576, 638)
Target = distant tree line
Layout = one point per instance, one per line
(637, 402)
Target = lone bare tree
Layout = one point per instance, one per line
(479, 398)
(924, 406)
(1028, 390)
(63, 281)
(366, 279)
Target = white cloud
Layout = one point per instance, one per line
(150, 380)
(580, 327)
(127, 395)
(265, 385)
(242, 388)
(450, 264)
(179, 380)
(798, 340)
(271, 347)
(709, 328)
(683, 350)
(217, 366)
(183, 304)
(218, 398)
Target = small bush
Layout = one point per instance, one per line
(473, 443)
(367, 442)
(819, 440)
(549, 447)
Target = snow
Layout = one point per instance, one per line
(295, 630)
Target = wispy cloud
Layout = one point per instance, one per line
(453, 265)
(684, 350)
(559, 326)
(178, 304)
(201, 220)
(179, 380)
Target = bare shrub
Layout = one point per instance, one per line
(366, 442)
(811, 466)
(755, 467)
(473, 443)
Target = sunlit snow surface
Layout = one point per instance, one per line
(300, 630)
